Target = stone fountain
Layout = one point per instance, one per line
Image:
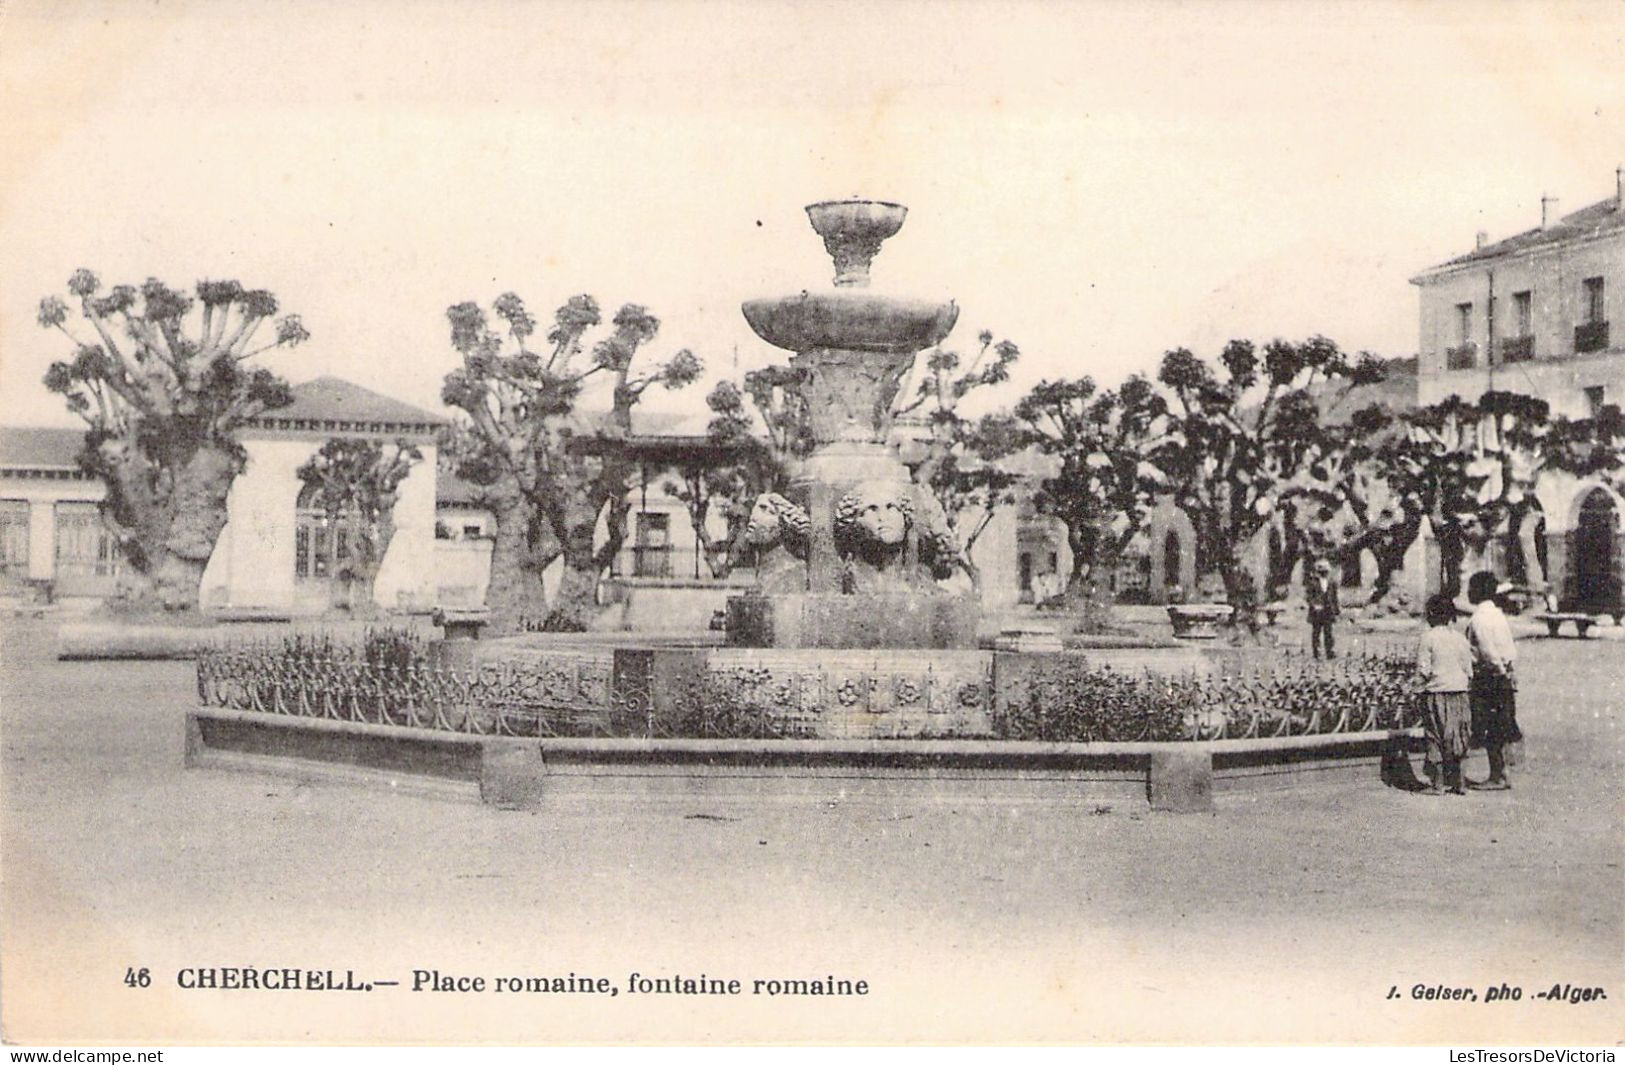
(853, 555)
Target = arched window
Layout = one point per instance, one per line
(1170, 559)
(1596, 574)
(323, 543)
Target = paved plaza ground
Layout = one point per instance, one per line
(1283, 915)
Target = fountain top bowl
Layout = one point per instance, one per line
(878, 217)
(853, 231)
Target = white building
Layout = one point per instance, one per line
(52, 540)
(1541, 313)
(274, 556)
(277, 556)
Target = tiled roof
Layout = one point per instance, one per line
(648, 423)
(333, 399)
(39, 448)
(1396, 391)
(1601, 217)
(452, 490)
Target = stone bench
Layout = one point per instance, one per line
(1582, 623)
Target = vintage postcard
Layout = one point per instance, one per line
(757, 523)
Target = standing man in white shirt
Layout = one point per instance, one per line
(1494, 685)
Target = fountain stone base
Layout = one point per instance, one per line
(903, 619)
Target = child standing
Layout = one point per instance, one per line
(1444, 665)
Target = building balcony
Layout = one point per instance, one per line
(643, 561)
(1590, 336)
(666, 561)
(1461, 357)
(1516, 349)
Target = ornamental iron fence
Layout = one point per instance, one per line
(1067, 700)
(1294, 696)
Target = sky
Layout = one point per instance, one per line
(1098, 182)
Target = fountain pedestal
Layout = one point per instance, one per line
(820, 619)
(854, 548)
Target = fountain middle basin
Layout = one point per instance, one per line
(855, 321)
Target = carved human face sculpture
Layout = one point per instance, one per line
(763, 527)
(882, 520)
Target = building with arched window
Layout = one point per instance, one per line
(277, 554)
(1535, 313)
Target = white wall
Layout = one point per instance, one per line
(462, 571)
(407, 579)
(252, 567)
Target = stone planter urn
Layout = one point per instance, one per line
(459, 630)
(1198, 621)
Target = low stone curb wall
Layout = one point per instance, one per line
(521, 773)
(91, 640)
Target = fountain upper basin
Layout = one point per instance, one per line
(855, 320)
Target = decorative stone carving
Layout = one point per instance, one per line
(778, 532)
(849, 394)
(871, 532)
(872, 524)
(862, 572)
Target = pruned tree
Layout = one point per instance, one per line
(164, 392)
(958, 458)
(544, 458)
(738, 467)
(1360, 493)
(1106, 483)
(1239, 439)
(356, 483)
(1478, 463)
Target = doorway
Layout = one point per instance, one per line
(1596, 580)
(1170, 566)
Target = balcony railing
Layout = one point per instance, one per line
(670, 561)
(643, 561)
(1516, 349)
(1461, 357)
(1590, 336)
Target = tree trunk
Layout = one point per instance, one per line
(172, 584)
(1452, 555)
(1389, 550)
(1240, 592)
(1088, 594)
(1281, 564)
(974, 572)
(175, 532)
(577, 598)
(372, 544)
(515, 592)
(717, 563)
